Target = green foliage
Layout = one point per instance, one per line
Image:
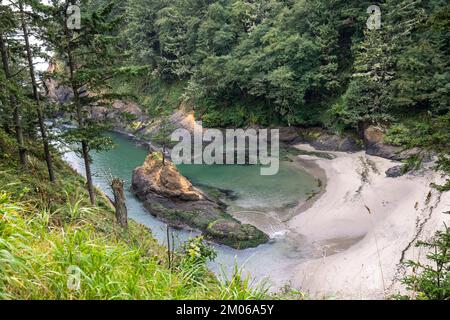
(157, 156)
(298, 62)
(443, 164)
(35, 261)
(195, 254)
(238, 286)
(236, 115)
(88, 60)
(156, 97)
(36, 256)
(92, 133)
(235, 50)
(400, 70)
(412, 163)
(431, 281)
(430, 133)
(421, 82)
(197, 251)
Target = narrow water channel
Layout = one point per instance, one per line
(264, 201)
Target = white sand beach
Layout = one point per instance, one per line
(383, 216)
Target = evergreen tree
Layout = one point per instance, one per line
(8, 25)
(423, 75)
(36, 95)
(89, 57)
(370, 97)
(140, 34)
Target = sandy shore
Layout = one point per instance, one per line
(379, 217)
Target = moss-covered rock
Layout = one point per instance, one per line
(172, 198)
(234, 234)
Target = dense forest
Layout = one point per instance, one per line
(234, 63)
(239, 63)
(297, 62)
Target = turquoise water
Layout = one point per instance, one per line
(254, 191)
(260, 200)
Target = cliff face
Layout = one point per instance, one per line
(130, 118)
(56, 93)
(172, 198)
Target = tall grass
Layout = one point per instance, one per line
(238, 286)
(37, 255)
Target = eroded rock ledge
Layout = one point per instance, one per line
(172, 198)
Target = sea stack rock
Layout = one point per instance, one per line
(171, 197)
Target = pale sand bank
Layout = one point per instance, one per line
(402, 210)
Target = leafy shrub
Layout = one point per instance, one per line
(443, 164)
(432, 281)
(195, 256)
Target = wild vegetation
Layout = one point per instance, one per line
(431, 281)
(236, 63)
(302, 63)
(55, 245)
(296, 62)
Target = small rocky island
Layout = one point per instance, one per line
(171, 197)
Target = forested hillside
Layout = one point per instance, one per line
(267, 62)
(297, 62)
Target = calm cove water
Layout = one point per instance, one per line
(263, 201)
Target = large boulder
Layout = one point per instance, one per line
(172, 198)
(395, 171)
(375, 146)
(289, 134)
(230, 232)
(163, 178)
(121, 113)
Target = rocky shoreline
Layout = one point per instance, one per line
(144, 129)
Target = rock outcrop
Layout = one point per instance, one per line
(395, 171)
(57, 93)
(172, 198)
(373, 140)
(119, 112)
(128, 117)
(326, 141)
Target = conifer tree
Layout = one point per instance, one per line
(8, 25)
(36, 95)
(89, 57)
(370, 94)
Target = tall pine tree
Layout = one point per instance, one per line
(29, 55)
(89, 58)
(8, 27)
(369, 98)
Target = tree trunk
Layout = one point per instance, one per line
(87, 166)
(6, 127)
(42, 127)
(119, 202)
(14, 106)
(164, 154)
(79, 114)
(362, 126)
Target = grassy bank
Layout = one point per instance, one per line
(50, 237)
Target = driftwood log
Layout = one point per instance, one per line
(119, 202)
